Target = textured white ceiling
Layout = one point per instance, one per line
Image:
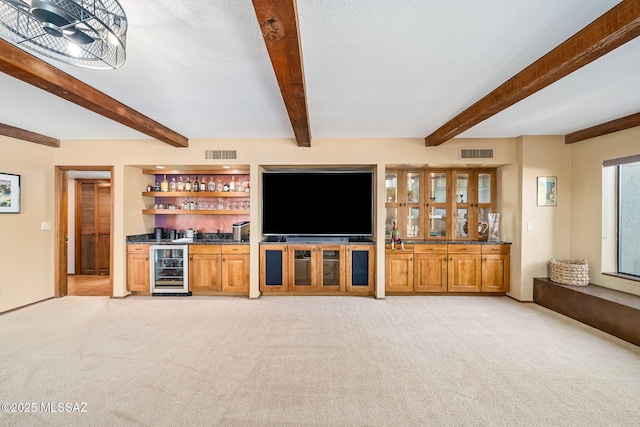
(373, 68)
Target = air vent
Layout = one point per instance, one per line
(220, 154)
(476, 153)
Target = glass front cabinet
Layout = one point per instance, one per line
(440, 204)
(405, 203)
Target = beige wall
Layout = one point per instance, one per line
(29, 271)
(551, 227)
(26, 252)
(586, 201)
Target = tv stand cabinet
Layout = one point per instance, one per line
(314, 268)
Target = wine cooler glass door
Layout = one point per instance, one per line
(169, 269)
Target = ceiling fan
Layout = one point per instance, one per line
(87, 33)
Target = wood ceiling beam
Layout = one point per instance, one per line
(26, 67)
(616, 125)
(26, 135)
(616, 27)
(278, 21)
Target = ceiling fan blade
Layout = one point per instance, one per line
(17, 3)
(77, 36)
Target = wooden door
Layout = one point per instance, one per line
(138, 268)
(399, 269)
(93, 219)
(204, 269)
(360, 268)
(330, 268)
(274, 267)
(303, 262)
(464, 274)
(235, 268)
(496, 268)
(430, 268)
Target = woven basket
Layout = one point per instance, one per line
(574, 273)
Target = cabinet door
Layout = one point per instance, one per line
(404, 204)
(399, 269)
(430, 268)
(413, 206)
(138, 271)
(464, 270)
(302, 268)
(486, 202)
(496, 270)
(462, 205)
(235, 273)
(438, 190)
(204, 273)
(360, 268)
(330, 268)
(274, 268)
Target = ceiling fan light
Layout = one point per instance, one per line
(96, 28)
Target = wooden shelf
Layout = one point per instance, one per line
(195, 212)
(194, 194)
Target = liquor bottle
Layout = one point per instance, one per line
(156, 187)
(219, 187)
(173, 185)
(196, 185)
(203, 185)
(164, 184)
(180, 184)
(211, 185)
(232, 184)
(187, 185)
(226, 187)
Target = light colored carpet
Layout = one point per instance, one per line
(321, 361)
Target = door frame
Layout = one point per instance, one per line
(62, 226)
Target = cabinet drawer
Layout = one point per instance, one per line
(235, 249)
(496, 249)
(204, 249)
(430, 249)
(464, 249)
(407, 248)
(137, 249)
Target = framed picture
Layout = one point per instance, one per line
(547, 191)
(9, 193)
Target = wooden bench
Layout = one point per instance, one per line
(611, 311)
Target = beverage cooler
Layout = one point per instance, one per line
(169, 270)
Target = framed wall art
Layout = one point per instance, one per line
(547, 191)
(9, 193)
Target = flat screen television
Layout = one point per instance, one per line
(317, 203)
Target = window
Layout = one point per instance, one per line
(628, 214)
(621, 207)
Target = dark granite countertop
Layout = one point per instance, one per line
(449, 242)
(200, 239)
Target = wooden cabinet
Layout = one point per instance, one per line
(138, 268)
(448, 268)
(235, 268)
(316, 268)
(204, 269)
(440, 204)
(496, 270)
(463, 270)
(360, 268)
(430, 268)
(399, 276)
(218, 268)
